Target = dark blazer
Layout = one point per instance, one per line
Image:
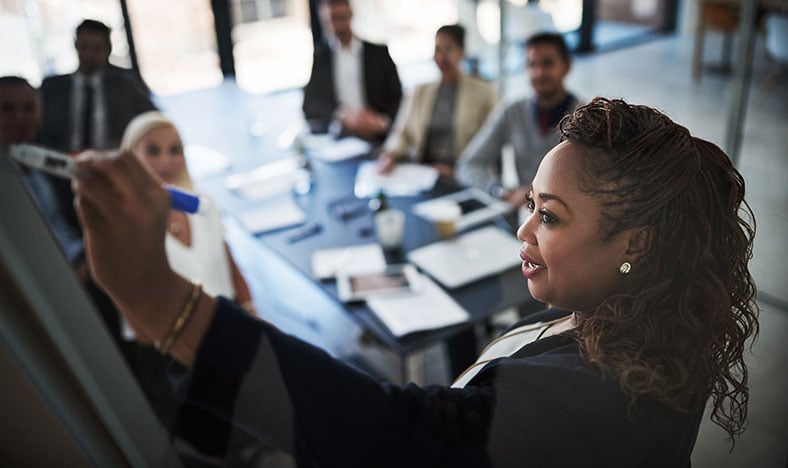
(123, 97)
(542, 407)
(130, 73)
(382, 88)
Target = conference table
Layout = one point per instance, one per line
(287, 292)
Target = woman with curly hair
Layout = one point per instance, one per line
(639, 238)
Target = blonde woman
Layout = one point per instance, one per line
(194, 244)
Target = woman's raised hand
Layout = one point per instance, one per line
(123, 211)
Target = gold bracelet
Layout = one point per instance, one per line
(183, 318)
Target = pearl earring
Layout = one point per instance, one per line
(625, 268)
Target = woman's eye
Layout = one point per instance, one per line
(547, 218)
(153, 150)
(529, 203)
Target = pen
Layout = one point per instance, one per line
(61, 165)
(306, 231)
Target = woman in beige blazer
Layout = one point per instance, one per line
(438, 119)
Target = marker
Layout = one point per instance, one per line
(61, 165)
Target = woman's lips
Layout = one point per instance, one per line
(530, 268)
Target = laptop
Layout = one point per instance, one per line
(469, 257)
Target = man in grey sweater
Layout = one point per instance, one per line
(528, 125)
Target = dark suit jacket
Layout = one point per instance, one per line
(123, 97)
(130, 73)
(382, 88)
(544, 406)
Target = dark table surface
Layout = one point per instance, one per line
(346, 220)
(279, 272)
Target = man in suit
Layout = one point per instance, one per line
(90, 108)
(354, 83)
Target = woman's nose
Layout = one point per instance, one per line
(525, 232)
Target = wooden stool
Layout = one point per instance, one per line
(718, 16)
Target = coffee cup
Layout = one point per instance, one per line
(444, 217)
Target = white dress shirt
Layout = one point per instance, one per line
(348, 74)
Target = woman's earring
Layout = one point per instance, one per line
(625, 268)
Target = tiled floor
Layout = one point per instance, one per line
(658, 73)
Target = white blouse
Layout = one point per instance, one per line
(205, 259)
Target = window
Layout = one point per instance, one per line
(408, 28)
(272, 44)
(43, 35)
(176, 45)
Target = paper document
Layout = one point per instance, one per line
(204, 162)
(365, 258)
(427, 308)
(327, 148)
(406, 179)
(268, 180)
(275, 213)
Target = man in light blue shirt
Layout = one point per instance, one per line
(528, 125)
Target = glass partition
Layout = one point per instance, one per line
(43, 34)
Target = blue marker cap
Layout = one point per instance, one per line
(185, 201)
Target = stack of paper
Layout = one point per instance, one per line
(274, 213)
(268, 180)
(427, 308)
(204, 162)
(405, 180)
(326, 148)
(365, 258)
